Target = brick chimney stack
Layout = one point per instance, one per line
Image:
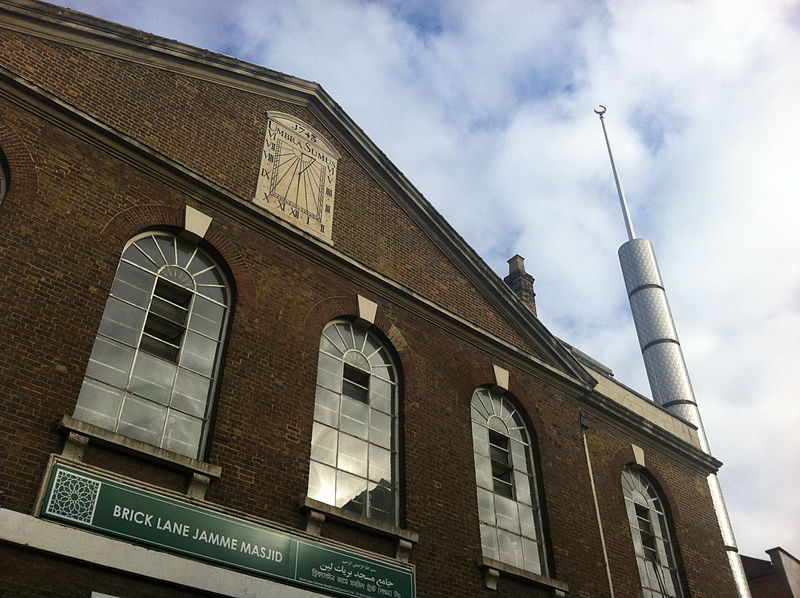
(521, 282)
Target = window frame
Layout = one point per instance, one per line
(653, 543)
(185, 404)
(495, 412)
(330, 464)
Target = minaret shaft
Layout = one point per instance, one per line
(658, 338)
(663, 357)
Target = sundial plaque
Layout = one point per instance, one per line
(297, 179)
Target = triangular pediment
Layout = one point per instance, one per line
(212, 122)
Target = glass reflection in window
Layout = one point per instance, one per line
(353, 451)
(508, 507)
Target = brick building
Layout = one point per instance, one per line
(778, 577)
(242, 355)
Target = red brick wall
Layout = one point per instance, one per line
(767, 586)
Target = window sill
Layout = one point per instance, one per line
(81, 433)
(318, 512)
(493, 569)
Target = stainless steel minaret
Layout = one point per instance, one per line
(662, 354)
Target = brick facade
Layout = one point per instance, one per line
(108, 136)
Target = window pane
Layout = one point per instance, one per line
(183, 434)
(381, 502)
(351, 492)
(381, 393)
(323, 444)
(329, 364)
(331, 336)
(489, 542)
(172, 315)
(527, 522)
(326, 408)
(159, 347)
(219, 294)
(517, 433)
(185, 252)
(381, 387)
(166, 247)
(142, 420)
(209, 277)
(358, 338)
(353, 455)
(153, 378)
(199, 354)
(343, 332)
(380, 464)
(372, 349)
(330, 380)
(507, 514)
(354, 417)
(322, 483)
(122, 322)
(530, 554)
(384, 372)
(133, 285)
(144, 253)
(510, 546)
(480, 439)
(522, 487)
(110, 362)
(380, 429)
(206, 317)
(199, 263)
(483, 472)
(353, 390)
(480, 404)
(486, 506)
(98, 404)
(191, 393)
(519, 456)
(327, 346)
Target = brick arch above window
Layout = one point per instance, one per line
(136, 219)
(624, 457)
(479, 377)
(23, 182)
(346, 306)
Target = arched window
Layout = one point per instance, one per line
(658, 571)
(353, 445)
(508, 505)
(155, 359)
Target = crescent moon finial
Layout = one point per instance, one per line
(600, 112)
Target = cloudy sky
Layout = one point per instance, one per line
(487, 107)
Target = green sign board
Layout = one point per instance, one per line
(103, 505)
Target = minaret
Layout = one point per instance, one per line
(662, 354)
